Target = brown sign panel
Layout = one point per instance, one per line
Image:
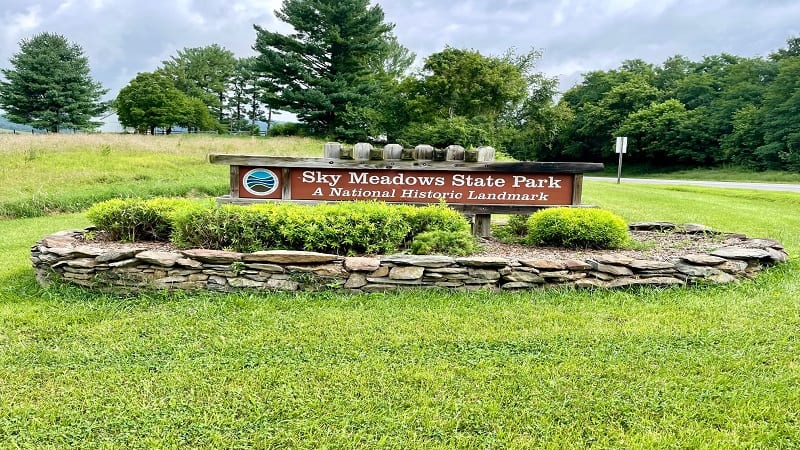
(411, 186)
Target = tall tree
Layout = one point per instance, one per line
(456, 82)
(152, 101)
(204, 73)
(247, 98)
(322, 71)
(49, 86)
(394, 61)
(781, 118)
(601, 104)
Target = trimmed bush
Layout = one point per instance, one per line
(215, 227)
(515, 231)
(437, 217)
(346, 228)
(340, 228)
(139, 220)
(454, 243)
(577, 228)
(288, 129)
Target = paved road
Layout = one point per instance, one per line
(780, 187)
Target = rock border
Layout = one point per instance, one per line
(67, 257)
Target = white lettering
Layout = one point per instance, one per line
(315, 176)
(400, 179)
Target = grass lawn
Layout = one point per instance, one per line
(67, 173)
(711, 367)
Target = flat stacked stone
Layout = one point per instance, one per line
(66, 256)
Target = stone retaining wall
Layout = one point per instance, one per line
(66, 256)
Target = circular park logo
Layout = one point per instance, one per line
(260, 182)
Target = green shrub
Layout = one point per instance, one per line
(288, 129)
(442, 132)
(515, 231)
(215, 227)
(437, 217)
(345, 228)
(577, 228)
(454, 243)
(341, 228)
(139, 220)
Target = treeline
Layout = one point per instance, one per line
(723, 109)
(344, 74)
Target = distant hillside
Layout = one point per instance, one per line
(6, 124)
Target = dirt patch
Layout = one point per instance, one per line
(651, 245)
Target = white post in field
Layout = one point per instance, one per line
(622, 147)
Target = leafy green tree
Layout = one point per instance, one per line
(792, 49)
(386, 113)
(323, 70)
(49, 86)
(716, 88)
(536, 134)
(601, 104)
(531, 131)
(204, 73)
(671, 71)
(456, 82)
(781, 118)
(393, 61)
(665, 133)
(739, 146)
(196, 116)
(485, 99)
(710, 91)
(152, 101)
(441, 132)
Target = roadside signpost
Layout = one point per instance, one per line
(622, 147)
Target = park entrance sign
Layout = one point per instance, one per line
(475, 188)
(407, 186)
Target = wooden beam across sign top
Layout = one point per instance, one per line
(461, 166)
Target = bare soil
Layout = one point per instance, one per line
(649, 245)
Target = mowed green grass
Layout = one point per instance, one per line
(709, 367)
(66, 173)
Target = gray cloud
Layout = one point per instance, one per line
(122, 37)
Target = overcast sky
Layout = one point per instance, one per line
(123, 37)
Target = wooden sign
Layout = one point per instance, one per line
(479, 187)
(408, 186)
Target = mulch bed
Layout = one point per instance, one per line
(650, 245)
